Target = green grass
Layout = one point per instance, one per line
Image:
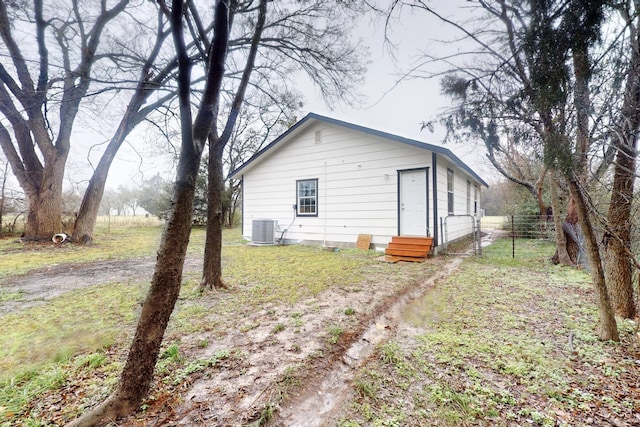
(66, 326)
(491, 348)
(80, 339)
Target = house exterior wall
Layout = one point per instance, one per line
(357, 177)
(454, 228)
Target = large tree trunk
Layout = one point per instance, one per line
(607, 327)
(619, 270)
(44, 212)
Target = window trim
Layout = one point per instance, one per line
(468, 197)
(450, 195)
(298, 204)
(476, 193)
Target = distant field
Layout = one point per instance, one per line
(14, 224)
(494, 222)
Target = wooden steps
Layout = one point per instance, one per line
(409, 248)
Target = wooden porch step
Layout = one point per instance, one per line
(412, 247)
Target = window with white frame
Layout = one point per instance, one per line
(307, 197)
(468, 198)
(476, 193)
(450, 191)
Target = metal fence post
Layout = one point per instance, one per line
(513, 237)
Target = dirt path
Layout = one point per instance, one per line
(44, 284)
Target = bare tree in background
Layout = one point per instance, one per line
(34, 100)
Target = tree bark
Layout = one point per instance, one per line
(212, 269)
(619, 269)
(137, 374)
(607, 327)
(44, 211)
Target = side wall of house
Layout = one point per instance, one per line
(456, 224)
(357, 185)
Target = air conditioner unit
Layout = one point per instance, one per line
(262, 232)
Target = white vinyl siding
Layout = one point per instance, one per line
(357, 184)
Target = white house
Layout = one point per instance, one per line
(325, 181)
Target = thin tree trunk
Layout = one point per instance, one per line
(88, 212)
(137, 374)
(607, 327)
(212, 269)
(135, 113)
(562, 254)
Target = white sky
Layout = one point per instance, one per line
(398, 109)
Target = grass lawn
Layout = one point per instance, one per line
(502, 343)
(63, 356)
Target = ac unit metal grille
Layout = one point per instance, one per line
(262, 231)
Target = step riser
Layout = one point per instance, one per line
(414, 247)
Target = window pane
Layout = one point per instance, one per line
(307, 197)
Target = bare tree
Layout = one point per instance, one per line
(531, 75)
(152, 77)
(311, 36)
(30, 95)
(137, 374)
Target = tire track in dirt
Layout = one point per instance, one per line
(320, 398)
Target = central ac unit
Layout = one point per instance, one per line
(262, 232)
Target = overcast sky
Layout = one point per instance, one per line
(401, 108)
(389, 106)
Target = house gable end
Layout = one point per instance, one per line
(311, 118)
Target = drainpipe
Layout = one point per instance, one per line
(324, 243)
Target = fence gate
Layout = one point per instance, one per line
(463, 229)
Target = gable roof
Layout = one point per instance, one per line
(312, 118)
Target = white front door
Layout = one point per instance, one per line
(413, 203)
